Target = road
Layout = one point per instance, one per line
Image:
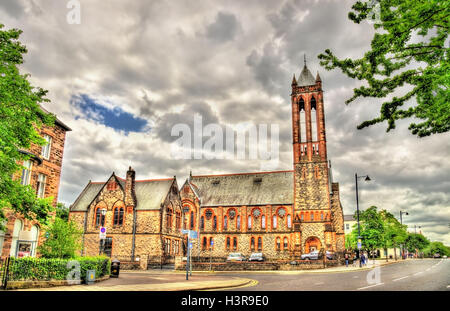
(410, 275)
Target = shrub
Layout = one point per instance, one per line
(45, 269)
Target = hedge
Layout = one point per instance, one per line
(46, 269)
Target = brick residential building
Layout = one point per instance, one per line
(282, 214)
(42, 171)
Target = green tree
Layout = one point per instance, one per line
(63, 240)
(62, 211)
(372, 230)
(20, 117)
(416, 242)
(408, 49)
(394, 233)
(436, 248)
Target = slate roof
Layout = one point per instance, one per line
(349, 218)
(260, 188)
(149, 193)
(306, 77)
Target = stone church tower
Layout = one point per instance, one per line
(318, 213)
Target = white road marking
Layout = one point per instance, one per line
(355, 277)
(401, 278)
(320, 283)
(418, 273)
(370, 286)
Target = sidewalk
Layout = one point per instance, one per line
(156, 281)
(370, 265)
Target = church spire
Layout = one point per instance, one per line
(294, 81)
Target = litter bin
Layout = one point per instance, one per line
(90, 277)
(115, 268)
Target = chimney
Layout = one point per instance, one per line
(129, 188)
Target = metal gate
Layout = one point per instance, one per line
(4, 271)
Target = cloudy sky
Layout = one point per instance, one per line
(131, 70)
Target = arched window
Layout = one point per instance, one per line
(99, 218)
(34, 239)
(302, 217)
(234, 243)
(312, 216)
(228, 243)
(211, 243)
(118, 216)
(289, 221)
(214, 222)
(238, 223)
(225, 223)
(274, 221)
(313, 121)
(202, 223)
(26, 172)
(285, 243)
(192, 220)
(278, 244)
(205, 241)
(259, 244)
(252, 244)
(263, 222)
(249, 222)
(302, 120)
(18, 226)
(321, 216)
(169, 217)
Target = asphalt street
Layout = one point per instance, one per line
(410, 275)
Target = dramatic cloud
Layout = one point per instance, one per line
(133, 69)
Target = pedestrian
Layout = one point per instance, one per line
(346, 259)
(363, 259)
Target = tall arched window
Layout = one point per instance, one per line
(321, 216)
(285, 243)
(34, 239)
(259, 244)
(202, 222)
(234, 243)
(18, 226)
(278, 244)
(289, 221)
(178, 220)
(252, 244)
(238, 223)
(118, 216)
(205, 241)
(214, 222)
(228, 243)
(302, 120)
(211, 243)
(263, 222)
(274, 221)
(313, 121)
(312, 216)
(192, 220)
(225, 223)
(249, 222)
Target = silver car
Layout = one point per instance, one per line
(311, 255)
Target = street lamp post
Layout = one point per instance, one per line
(103, 213)
(401, 222)
(367, 178)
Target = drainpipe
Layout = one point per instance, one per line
(84, 232)
(134, 232)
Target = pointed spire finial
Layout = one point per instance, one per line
(318, 77)
(304, 59)
(294, 81)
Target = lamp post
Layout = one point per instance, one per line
(401, 222)
(367, 178)
(415, 226)
(103, 213)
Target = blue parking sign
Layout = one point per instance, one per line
(212, 242)
(190, 245)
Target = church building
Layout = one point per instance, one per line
(282, 214)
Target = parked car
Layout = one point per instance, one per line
(329, 255)
(235, 257)
(311, 255)
(257, 257)
(437, 255)
(445, 256)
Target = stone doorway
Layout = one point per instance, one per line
(312, 244)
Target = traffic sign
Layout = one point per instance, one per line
(212, 242)
(184, 231)
(102, 233)
(192, 234)
(190, 245)
(359, 245)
